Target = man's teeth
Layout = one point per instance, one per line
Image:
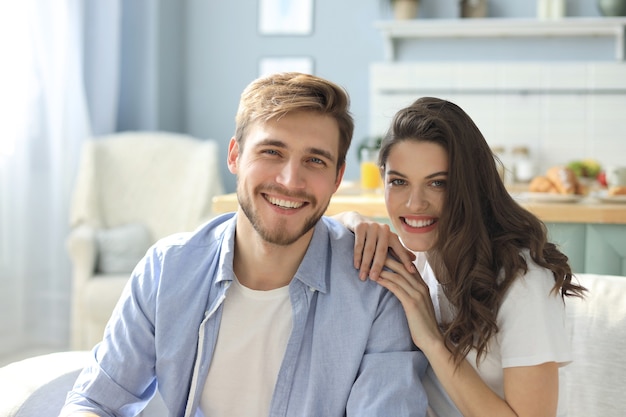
(419, 223)
(284, 203)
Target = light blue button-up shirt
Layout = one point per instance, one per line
(349, 353)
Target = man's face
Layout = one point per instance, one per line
(286, 174)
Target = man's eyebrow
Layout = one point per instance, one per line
(321, 152)
(272, 142)
(312, 150)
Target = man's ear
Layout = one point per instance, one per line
(340, 173)
(233, 155)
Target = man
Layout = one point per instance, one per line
(260, 312)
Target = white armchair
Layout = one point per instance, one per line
(132, 189)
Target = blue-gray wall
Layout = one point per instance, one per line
(208, 51)
(224, 48)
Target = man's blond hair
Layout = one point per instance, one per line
(276, 95)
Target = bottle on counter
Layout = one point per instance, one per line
(550, 9)
(523, 166)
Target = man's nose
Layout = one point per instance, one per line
(292, 175)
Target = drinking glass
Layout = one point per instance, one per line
(370, 172)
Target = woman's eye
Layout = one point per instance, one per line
(397, 181)
(438, 183)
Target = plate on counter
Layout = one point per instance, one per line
(604, 197)
(550, 197)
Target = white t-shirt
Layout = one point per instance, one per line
(253, 336)
(532, 330)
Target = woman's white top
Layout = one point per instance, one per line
(532, 330)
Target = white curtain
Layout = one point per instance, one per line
(44, 118)
(102, 63)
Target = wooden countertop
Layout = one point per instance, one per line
(587, 210)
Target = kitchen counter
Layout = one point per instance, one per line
(590, 231)
(587, 210)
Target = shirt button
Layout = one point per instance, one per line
(311, 289)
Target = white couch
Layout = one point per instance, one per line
(37, 387)
(596, 384)
(596, 379)
(132, 189)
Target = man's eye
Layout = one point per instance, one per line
(317, 161)
(397, 181)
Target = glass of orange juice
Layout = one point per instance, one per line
(370, 172)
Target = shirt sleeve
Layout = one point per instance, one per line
(389, 379)
(128, 340)
(532, 322)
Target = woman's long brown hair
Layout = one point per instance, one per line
(482, 230)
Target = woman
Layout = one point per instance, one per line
(485, 300)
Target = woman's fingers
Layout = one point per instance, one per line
(371, 248)
(414, 279)
(360, 237)
(405, 256)
(379, 250)
(414, 296)
(372, 245)
(366, 241)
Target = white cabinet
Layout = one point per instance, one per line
(395, 31)
(561, 110)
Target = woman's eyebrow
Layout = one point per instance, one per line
(436, 174)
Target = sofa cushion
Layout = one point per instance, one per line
(120, 248)
(20, 380)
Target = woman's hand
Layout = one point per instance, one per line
(414, 295)
(373, 243)
(529, 390)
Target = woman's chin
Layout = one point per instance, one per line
(416, 245)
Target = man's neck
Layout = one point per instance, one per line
(260, 265)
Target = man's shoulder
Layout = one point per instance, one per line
(189, 255)
(205, 235)
(342, 254)
(337, 231)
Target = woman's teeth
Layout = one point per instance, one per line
(419, 223)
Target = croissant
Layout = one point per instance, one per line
(564, 179)
(617, 190)
(542, 184)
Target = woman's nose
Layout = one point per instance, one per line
(417, 200)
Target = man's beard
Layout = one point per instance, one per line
(280, 235)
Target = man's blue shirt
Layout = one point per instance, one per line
(349, 353)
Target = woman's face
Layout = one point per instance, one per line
(416, 174)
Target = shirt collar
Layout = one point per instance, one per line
(313, 269)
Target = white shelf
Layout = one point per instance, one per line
(395, 30)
